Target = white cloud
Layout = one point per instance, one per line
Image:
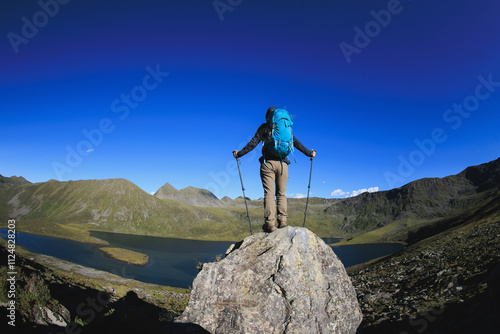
(89, 150)
(339, 192)
(298, 195)
(364, 190)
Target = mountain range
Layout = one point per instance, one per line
(71, 209)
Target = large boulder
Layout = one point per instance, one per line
(287, 281)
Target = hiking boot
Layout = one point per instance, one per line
(282, 224)
(268, 229)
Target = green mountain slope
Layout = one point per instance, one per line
(8, 186)
(422, 202)
(70, 209)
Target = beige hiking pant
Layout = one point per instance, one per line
(274, 173)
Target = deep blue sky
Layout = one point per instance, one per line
(381, 114)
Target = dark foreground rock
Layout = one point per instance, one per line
(288, 281)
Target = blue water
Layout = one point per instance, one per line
(172, 261)
(351, 255)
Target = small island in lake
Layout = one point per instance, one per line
(126, 255)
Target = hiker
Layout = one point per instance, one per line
(274, 166)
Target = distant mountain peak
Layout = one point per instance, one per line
(189, 195)
(166, 191)
(193, 190)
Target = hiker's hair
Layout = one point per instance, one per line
(270, 110)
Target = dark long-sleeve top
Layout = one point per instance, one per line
(260, 136)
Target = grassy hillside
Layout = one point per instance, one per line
(70, 209)
(392, 215)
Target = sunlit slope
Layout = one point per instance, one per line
(70, 209)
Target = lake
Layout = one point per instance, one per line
(172, 261)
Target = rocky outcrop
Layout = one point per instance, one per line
(45, 316)
(288, 281)
(448, 283)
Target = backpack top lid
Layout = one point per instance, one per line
(274, 114)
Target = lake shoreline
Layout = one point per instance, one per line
(100, 242)
(159, 260)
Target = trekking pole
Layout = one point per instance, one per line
(244, 197)
(308, 188)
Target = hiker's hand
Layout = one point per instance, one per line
(313, 154)
(235, 154)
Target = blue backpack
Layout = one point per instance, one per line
(279, 127)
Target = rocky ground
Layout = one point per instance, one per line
(449, 283)
(55, 296)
